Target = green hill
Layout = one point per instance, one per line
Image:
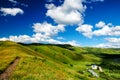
(58, 62)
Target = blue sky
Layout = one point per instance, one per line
(92, 23)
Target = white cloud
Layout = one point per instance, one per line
(111, 43)
(11, 11)
(60, 1)
(102, 45)
(107, 30)
(50, 6)
(20, 38)
(48, 29)
(50, 0)
(37, 38)
(97, 0)
(100, 24)
(90, 1)
(73, 43)
(24, 5)
(16, 3)
(85, 29)
(113, 40)
(70, 12)
(60, 38)
(3, 39)
(13, 1)
(43, 34)
(103, 30)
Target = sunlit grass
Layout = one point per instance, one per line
(51, 62)
(37, 69)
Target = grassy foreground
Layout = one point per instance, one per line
(59, 62)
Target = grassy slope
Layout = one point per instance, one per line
(34, 65)
(110, 62)
(81, 58)
(54, 62)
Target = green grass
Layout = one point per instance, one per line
(37, 69)
(58, 62)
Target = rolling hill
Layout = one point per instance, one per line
(57, 62)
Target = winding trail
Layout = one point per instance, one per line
(7, 73)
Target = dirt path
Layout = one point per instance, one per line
(6, 74)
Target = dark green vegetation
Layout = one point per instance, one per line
(58, 62)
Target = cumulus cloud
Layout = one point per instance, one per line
(43, 34)
(24, 5)
(50, 6)
(47, 29)
(113, 40)
(102, 32)
(11, 11)
(85, 29)
(37, 38)
(3, 39)
(70, 12)
(60, 1)
(111, 43)
(21, 38)
(103, 29)
(13, 1)
(50, 0)
(90, 1)
(60, 38)
(100, 24)
(107, 30)
(17, 3)
(97, 0)
(73, 42)
(104, 45)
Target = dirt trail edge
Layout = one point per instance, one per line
(6, 74)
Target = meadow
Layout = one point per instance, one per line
(58, 62)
